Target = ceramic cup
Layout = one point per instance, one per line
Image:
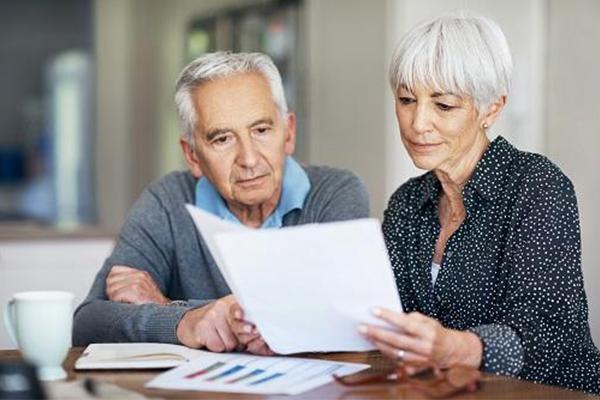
(40, 325)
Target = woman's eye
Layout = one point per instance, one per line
(444, 106)
(406, 100)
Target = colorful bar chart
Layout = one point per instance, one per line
(242, 373)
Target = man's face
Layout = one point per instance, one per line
(241, 139)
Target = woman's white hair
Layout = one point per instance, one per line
(457, 53)
(212, 66)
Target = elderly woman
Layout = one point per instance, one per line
(486, 245)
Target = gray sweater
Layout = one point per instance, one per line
(159, 237)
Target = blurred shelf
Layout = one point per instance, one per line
(32, 230)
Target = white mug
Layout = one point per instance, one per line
(40, 324)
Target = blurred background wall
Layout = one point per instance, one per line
(334, 54)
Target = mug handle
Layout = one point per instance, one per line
(9, 310)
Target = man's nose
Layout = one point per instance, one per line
(421, 119)
(248, 155)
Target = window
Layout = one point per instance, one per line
(271, 28)
(47, 112)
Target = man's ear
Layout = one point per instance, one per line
(191, 157)
(290, 133)
(493, 111)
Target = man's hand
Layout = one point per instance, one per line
(209, 327)
(246, 333)
(130, 285)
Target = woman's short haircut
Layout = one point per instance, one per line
(457, 53)
(212, 66)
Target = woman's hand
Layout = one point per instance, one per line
(420, 340)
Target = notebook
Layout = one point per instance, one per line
(135, 356)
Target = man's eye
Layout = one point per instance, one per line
(406, 100)
(444, 106)
(261, 130)
(222, 140)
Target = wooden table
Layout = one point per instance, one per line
(492, 387)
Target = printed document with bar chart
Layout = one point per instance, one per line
(306, 287)
(243, 373)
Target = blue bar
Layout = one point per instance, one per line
(230, 371)
(268, 378)
(248, 375)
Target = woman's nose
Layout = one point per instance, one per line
(421, 122)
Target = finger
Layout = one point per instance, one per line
(132, 287)
(120, 278)
(237, 312)
(260, 347)
(134, 293)
(392, 353)
(411, 323)
(142, 280)
(396, 339)
(253, 347)
(419, 317)
(240, 328)
(414, 370)
(124, 296)
(213, 340)
(244, 340)
(113, 289)
(122, 268)
(123, 272)
(115, 278)
(244, 332)
(224, 330)
(267, 350)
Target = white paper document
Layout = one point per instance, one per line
(242, 373)
(135, 356)
(305, 287)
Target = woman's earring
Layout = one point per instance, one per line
(485, 125)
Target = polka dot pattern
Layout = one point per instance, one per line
(511, 273)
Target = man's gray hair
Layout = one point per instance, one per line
(457, 53)
(212, 66)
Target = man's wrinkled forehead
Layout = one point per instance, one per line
(237, 101)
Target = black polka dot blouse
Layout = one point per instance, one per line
(510, 274)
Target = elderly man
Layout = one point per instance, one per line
(161, 284)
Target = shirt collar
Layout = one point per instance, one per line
(294, 190)
(487, 179)
(430, 188)
(491, 171)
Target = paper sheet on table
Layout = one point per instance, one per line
(305, 287)
(243, 373)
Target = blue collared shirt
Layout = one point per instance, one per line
(295, 188)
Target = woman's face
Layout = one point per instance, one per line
(437, 129)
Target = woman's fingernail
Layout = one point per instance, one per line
(247, 328)
(376, 311)
(362, 329)
(238, 314)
